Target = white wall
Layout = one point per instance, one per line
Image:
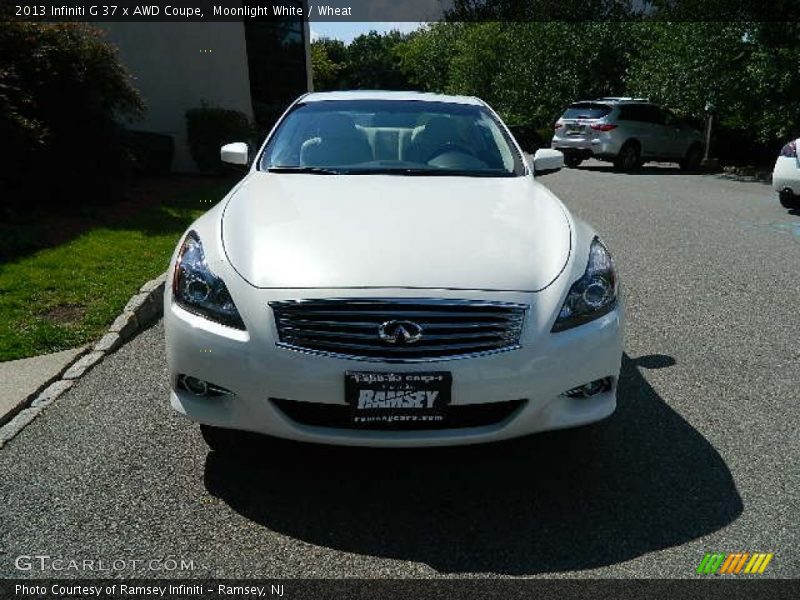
(177, 65)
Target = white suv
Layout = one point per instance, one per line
(628, 132)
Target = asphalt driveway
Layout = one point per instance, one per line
(701, 456)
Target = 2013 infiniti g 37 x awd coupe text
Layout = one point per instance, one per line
(391, 273)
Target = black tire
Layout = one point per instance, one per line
(629, 157)
(224, 441)
(788, 199)
(572, 161)
(692, 160)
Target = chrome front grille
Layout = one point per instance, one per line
(369, 328)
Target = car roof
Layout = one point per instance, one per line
(616, 100)
(388, 95)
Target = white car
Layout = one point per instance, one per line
(786, 176)
(390, 273)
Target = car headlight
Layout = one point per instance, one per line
(198, 290)
(594, 294)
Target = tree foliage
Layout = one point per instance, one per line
(328, 58)
(748, 71)
(426, 55)
(373, 62)
(370, 61)
(62, 92)
(326, 72)
(687, 65)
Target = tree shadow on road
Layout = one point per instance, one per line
(640, 481)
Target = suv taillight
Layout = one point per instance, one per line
(790, 150)
(556, 125)
(603, 127)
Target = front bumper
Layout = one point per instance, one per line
(255, 370)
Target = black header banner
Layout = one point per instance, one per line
(707, 588)
(399, 10)
(226, 10)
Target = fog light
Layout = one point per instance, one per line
(200, 388)
(598, 386)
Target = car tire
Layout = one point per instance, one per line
(692, 160)
(788, 199)
(629, 157)
(572, 161)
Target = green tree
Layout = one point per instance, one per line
(771, 98)
(63, 93)
(528, 71)
(328, 66)
(370, 61)
(686, 65)
(374, 63)
(426, 55)
(748, 71)
(480, 51)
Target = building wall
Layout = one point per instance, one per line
(176, 66)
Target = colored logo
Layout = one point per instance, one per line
(734, 563)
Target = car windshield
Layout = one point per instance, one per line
(395, 137)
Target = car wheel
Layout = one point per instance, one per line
(788, 199)
(572, 161)
(692, 160)
(629, 157)
(224, 441)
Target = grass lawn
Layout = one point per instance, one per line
(67, 295)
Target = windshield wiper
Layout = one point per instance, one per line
(311, 170)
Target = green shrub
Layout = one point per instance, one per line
(151, 153)
(208, 128)
(62, 90)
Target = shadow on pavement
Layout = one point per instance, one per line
(666, 169)
(640, 481)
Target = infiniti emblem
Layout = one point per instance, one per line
(400, 332)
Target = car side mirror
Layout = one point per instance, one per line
(547, 161)
(235, 153)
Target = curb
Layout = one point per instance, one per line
(143, 309)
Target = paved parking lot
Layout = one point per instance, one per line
(702, 454)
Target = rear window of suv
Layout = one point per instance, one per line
(586, 110)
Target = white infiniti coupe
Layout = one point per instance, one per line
(391, 273)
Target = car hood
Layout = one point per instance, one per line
(386, 231)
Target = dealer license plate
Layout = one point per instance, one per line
(376, 398)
